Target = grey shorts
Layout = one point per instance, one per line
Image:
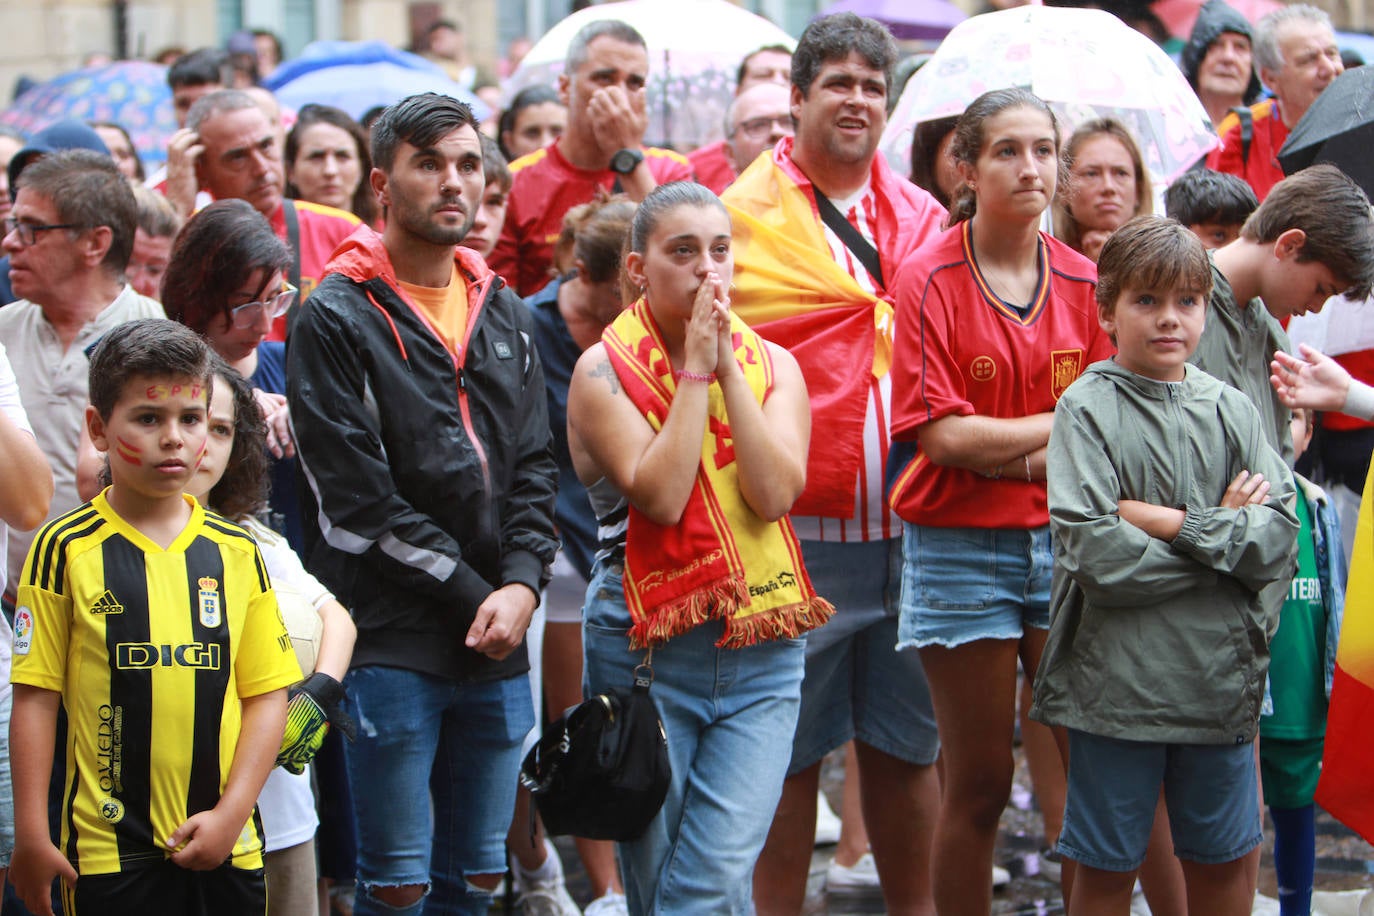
(857, 684)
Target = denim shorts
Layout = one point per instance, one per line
(857, 684)
(960, 585)
(1209, 789)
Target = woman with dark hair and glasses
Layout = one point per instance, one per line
(227, 282)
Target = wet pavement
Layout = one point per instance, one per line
(1344, 862)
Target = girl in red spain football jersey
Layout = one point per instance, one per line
(995, 319)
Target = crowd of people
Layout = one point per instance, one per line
(340, 456)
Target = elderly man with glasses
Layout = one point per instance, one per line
(756, 120)
(68, 238)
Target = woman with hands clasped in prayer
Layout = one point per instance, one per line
(691, 433)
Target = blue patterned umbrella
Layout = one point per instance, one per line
(131, 93)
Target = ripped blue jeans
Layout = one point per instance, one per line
(424, 739)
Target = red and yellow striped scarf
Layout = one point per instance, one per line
(721, 560)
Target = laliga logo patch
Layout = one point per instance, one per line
(23, 631)
(112, 810)
(209, 602)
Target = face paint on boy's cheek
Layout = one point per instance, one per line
(129, 453)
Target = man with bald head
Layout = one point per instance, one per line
(718, 164)
(756, 120)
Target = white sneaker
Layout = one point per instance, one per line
(1000, 877)
(1050, 863)
(548, 901)
(827, 822)
(608, 905)
(544, 894)
(861, 876)
(1342, 903)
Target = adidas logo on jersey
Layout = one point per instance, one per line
(107, 604)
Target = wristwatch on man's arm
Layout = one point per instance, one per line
(626, 161)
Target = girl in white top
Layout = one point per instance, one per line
(232, 481)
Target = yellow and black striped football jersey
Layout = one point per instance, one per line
(152, 651)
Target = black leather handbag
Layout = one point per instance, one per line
(601, 770)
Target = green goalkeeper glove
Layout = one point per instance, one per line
(313, 705)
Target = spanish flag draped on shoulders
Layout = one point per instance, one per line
(790, 289)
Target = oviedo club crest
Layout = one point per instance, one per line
(209, 602)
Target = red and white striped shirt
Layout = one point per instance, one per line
(873, 519)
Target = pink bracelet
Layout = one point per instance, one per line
(685, 376)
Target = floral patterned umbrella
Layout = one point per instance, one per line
(695, 48)
(1086, 63)
(131, 93)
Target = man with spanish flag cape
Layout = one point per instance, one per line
(819, 287)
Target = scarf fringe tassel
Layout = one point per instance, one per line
(721, 599)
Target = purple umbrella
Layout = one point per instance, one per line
(907, 20)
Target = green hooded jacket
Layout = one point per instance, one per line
(1150, 640)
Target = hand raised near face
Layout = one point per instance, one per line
(702, 345)
(618, 119)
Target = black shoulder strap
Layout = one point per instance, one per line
(1247, 131)
(293, 239)
(853, 240)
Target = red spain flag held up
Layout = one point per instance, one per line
(1346, 788)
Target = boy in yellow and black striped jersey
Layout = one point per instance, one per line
(152, 624)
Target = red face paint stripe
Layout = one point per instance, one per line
(132, 449)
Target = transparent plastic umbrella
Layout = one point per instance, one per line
(695, 47)
(1085, 63)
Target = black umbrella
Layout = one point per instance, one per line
(1338, 128)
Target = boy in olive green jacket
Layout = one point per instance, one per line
(1175, 536)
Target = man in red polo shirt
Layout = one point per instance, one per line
(602, 85)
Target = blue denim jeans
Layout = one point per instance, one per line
(434, 772)
(729, 715)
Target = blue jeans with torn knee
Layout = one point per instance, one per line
(729, 716)
(434, 773)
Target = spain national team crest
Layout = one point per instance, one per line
(1065, 368)
(209, 602)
